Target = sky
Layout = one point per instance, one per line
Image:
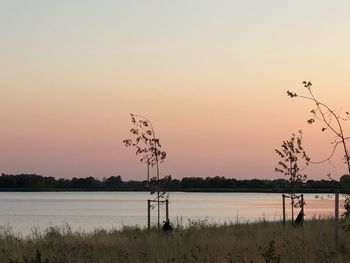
(212, 77)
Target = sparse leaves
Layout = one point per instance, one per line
(310, 121)
(158, 186)
(291, 94)
(292, 154)
(307, 84)
(331, 119)
(147, 146)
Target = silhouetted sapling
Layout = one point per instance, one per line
(149, 148)
(292, 154)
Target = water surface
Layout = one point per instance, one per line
(86, 211)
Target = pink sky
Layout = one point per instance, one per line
(212, 78)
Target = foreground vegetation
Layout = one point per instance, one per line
(200, 242)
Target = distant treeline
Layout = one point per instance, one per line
(28, 182)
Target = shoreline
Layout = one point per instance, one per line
(192, 190)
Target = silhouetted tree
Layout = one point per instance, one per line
(345, 181)
(85, 183)
(331, 120)
(114, 181)
(148, 147)
(292, 154)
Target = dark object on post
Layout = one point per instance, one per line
(167, 227)
(299, 221)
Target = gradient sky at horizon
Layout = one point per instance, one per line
(211, 75)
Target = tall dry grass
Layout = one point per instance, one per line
(199, 242)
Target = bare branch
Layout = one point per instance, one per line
(326, 115)
(329, 157)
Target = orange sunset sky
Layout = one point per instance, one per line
(212, 77)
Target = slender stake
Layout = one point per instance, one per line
(302, 203)
(149, 214)
(167, 210)
(284, 208)
(292, 209)
(337, 220)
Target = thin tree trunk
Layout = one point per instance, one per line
(155, 144)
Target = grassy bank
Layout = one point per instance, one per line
(258, 242)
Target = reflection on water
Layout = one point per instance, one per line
(89, 210)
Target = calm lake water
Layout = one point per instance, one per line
(86, 211)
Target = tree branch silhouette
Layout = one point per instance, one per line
(325, 114)
(291, 154)
(149, 147)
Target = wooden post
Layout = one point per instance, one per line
(149, 214)
(284, 208)
(158, 209)
(302, 203)
(337, 220)
(292, 197)
(167, 209)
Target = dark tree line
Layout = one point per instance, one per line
(38, 182)
(34, 181)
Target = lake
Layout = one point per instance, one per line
(86, 211)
